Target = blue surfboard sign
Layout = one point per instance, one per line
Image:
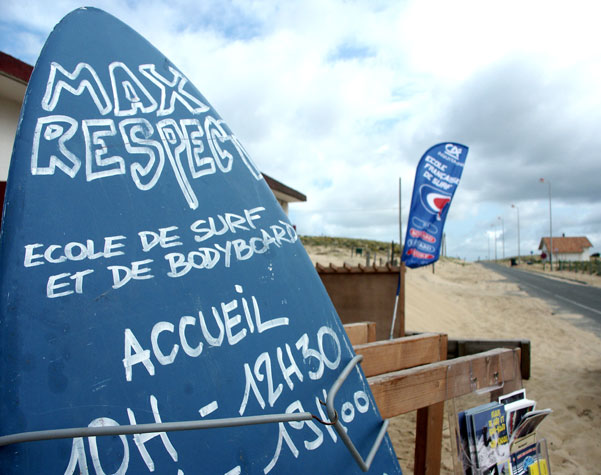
(148, 275)
(436, 179)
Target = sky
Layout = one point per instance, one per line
(340, 99)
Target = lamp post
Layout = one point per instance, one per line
(542, 180)
(518, 211)
(503, 234)
(494, 226)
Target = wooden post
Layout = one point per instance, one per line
(428, 440)
(428, 432)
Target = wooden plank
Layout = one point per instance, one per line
(464, 347)
(321, 268)
(366, 269)
(361, 333)
(351, 269)
(401, 353)
(411, 389)
(428, 431)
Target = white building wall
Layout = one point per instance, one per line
(573, 257)
(568, 257)
(9, 117)
(284, 205)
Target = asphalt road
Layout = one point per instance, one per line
(566, 296)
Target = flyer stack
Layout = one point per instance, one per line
(499, 437)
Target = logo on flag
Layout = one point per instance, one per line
(433, 200)
(452, 150)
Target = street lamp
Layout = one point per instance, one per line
(518, 211)
(503, 234)
(494, 226)
(542, 180)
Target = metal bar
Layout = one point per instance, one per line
(364, 464)
(70, 433)
(147, 428)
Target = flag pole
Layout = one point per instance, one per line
(398, 289)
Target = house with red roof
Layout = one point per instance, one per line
(567, 248)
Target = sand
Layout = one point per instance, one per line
(469, 301)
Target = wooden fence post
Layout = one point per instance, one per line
(428, 433)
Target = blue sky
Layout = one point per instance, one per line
(339, 99)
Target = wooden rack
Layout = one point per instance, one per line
(412, 374)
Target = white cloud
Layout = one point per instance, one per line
(339, 99)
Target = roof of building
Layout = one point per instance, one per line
(277, 186)
(15, 68)
(14, 75)
(567, 245)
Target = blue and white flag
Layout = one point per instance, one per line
(436, 179)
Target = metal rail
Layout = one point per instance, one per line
(147, 428)
(214, 424)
